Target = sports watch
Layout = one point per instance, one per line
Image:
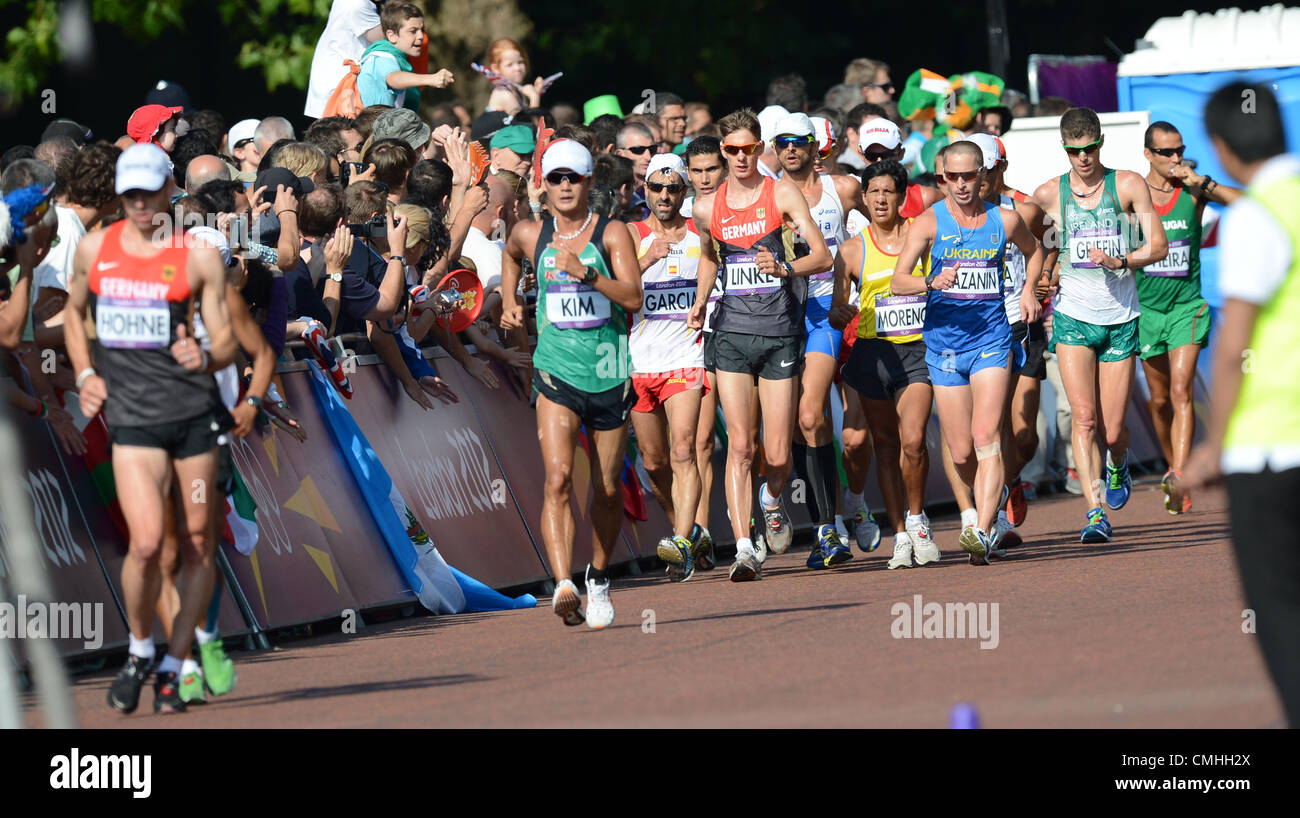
(929, 282)
(590, 275)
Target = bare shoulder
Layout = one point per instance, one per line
(930, 195)
(1131, 186)
(702, 210)
(524, 235)
(88, 247)
(848, 187)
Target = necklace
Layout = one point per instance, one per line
(961, 234)
(1169, 189)
(555, 226)
(1088, 193)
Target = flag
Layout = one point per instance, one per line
(98, 460)
(239, 528)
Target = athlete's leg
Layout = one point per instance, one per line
(954, 404)
(196, 479)
(961, 490)
(882, 419)
(1010, 456)
(857, 443)
(143, 476)
(652, 439)
(989, 388)
(607, 503)
(1181, 390)
(1115, 384)
(815, 435)
(683, 411)
(1024, 418)
(913, 406)
(169, 599)
(1156, 369)
(777, 401)
(704, 436)
(738, 395)
(1079, 377)
(557, 434)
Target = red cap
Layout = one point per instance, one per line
(145, 122)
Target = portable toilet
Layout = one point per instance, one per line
(1183, 60)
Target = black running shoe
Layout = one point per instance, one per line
(167, 694)
(124, 692)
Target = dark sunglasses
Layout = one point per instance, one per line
(640, 149)
(884, 86)
(658, 187)
(1167, 152)
(1080, 150)
(873, 156)
(241, 143)
(783, 142)
(968, 176)
(748, 149)
(556, 177)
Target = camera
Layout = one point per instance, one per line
(376, 228)
(346, 169)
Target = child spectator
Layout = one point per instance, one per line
(386, 77)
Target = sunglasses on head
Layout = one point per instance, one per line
(640, 149)
(749, 149)
(659, 187)
(1167, 152)
(783, 142)
(969, 176)
(1080, 150)
(556, 177)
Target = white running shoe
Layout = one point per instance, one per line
(569, 606)
(1001, 527)
(924, 548)
(600, 610)
(902, 551)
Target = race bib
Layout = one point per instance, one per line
(126, 323)
(898, 315)
(1107, 239)
(977, 279)
(667, 300)
(1175, 265)
(743, 277)
(576, 306)
(833, 245)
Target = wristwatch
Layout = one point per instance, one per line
(254, 401)
(789, 268)
(396, 257)
(929, 282)
(1208, 184)
(590, 275)
(1123, 262)
(337, 278)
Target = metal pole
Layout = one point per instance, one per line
(999, 45)
(241, 601)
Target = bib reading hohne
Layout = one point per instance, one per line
(581, 336)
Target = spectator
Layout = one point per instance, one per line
(75, 131)
(606, 127)
(698, 118)
(15, 153)
(393, 160)
(842, 97)
(637, 143)
(186, 148)
(444, 114)
(618, 174)
(28, 248)
(486, 237)
(1017, 102)
(319, 216)
(512, 150)
(565, 113)
(58, 153)
(429, 185)
(853, 121)
(204, 169)
(212, 122)
(406, 126)
(1052, 106)
(242, 144)
(649, 122)
(994, 120)
(339, 138)
(352, 25)
(303, 159)
(790, 92)
(506, 58)
(581, 134)
(376, 287)
(386, 76)
(872, 76)
(672, 118)
(154, 123)
(365, 121)
(271, 130)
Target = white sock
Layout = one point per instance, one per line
(853, 502)
(970, 518)
(170, 664)
(203, 637)
(743, 545)
(142, 647)
(769, 502)
(189, 666)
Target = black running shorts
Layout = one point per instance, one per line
(600, 411)
(1034, 338)
(773, 359)
(880, 369)
(180, 438)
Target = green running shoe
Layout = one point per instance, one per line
(218, 670)
(192, 689)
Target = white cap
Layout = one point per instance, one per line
(666, 161)
(215, 238)
(989, 146)
(143, 167)
(824, 130)
(566, 154)
(241, 130)
(767, 119)
(793, 125)
(879, 131)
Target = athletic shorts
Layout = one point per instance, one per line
(822, 337)
(1111, 342)
(1183, 325)
(600, 411)
(654, 390)
(179, 438)
(956, 369)
(710, 365)
(773, 359)
(1030, 342)
(879, 369)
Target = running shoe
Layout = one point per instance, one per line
(569, 606)
(677, 552)
(777, 528)
(192, 688)
(759, 541)
(702, 549)
(976, 543)
(746, 567)
(1004, 535)
(864, 530)
(829, 550)
(167, 694)
(902, 551)
(924, 548)
(1072, 483)
(1098, 527)
(1017, 506)
(1177, 499)
(124, 692)
(218, 670)
(600, 609)
(1119, 485)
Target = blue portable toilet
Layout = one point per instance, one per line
(1183, 60)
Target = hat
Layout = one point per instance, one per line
(216, 238)
(565, 154)
(666, 161)
(168, 94)
(767, 119)
(599, 106)
(240, 131)
(988, 146)
(403, 124)
(147, 120)
(882, 132)
(272, 178)
(67, 128)
(1002, 148)
(143, 167)
(793, 125)
(824, 130)
(518, 138)
(487, 124)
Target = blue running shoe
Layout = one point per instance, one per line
(1119, 485)
(1098, 527)
(837, 551)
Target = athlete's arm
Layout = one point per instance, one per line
(658, 249)
(92, 391)
(1219, 193)
(849, 258)
(794, 208)
(206, 262)
(522, 240)
(250, 338)
(1023, 239)
(1135, 189)
(624, 289)
(919, 236)
(707, 271)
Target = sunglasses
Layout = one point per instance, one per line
(884, 86)
(748, 149)
(825, 152)
(557, 177)
(640, 149)
(1167, 152)
(783, 142)
(1080, 150)
(241, 143)
(659, 187)
(873, 156)
(968, 176)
